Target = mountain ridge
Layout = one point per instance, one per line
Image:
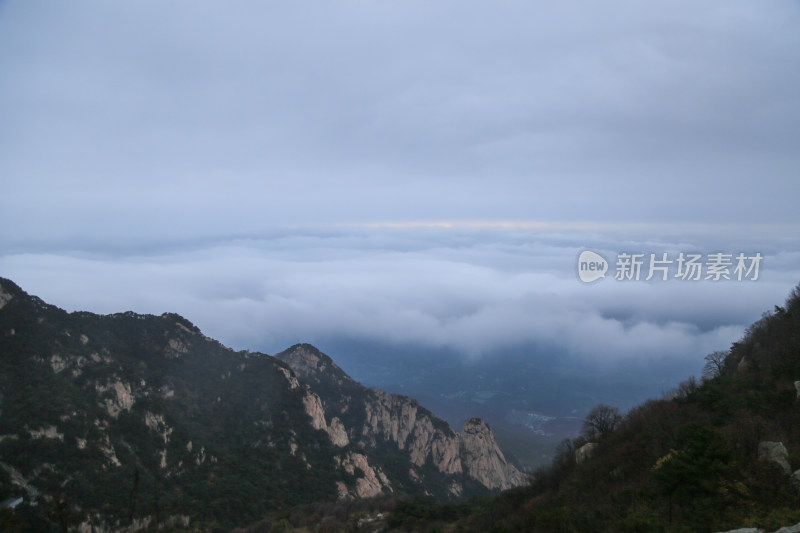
(403, 422)
(179, 427)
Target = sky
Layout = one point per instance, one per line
(413, 172)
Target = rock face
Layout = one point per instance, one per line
(584, 452)
(743, 363)
(373, 481)
(337, 433)
(795, 480)
(774, 452)
(399, 420)
(788, 529)
(314, 409)
(5, 297)
(374, 419)
(483, 459)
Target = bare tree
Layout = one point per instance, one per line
(601, 420)
(715, 362)
(684, 389)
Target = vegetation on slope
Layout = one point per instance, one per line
(148, 419)
(688, 462)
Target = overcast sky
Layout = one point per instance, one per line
(409, 171)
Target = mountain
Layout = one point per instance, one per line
(128, 422)
(390, 422)
(533, 395)
(717, 454)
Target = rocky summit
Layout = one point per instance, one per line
(377, 421)
(126, 422)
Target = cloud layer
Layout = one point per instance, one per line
(280, 172)
(165, 121)
(472, 291)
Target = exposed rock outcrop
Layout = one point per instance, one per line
(5, 297)
(121, 400)
(743, 364)
(372, 481)
(314, 409)
(50, 432)
(95, 524)
(795, 480)
(774, 452)
(337, 433)
(788, 529)
(584, 452)
(336, 430)
(293, 383)
(175, 348)
(378, 418)
(312, 366)
(398, 419)
(483, 459)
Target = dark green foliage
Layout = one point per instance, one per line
(126, 416)
(692, 476)
(420, 509)
(225, 421)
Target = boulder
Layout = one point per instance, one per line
(795, 479)
(584, 452)
(742, 366)
(774, 452)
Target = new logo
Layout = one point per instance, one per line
(591, 266)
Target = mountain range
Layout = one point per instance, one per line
(130, 422)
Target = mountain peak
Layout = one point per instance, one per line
(483, 459)
(377, 419)
(10, 290)
(313, 366)
(475, 424)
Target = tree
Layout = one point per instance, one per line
(692, 475)
(715, 362)
(601, 420)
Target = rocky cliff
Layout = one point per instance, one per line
(483, 459)
(375, 419)
(125, 419)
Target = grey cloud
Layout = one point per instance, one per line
(177, 120)
(224, 161)
(473, 291)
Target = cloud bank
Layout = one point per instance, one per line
(280, 172)
(155, 121)
(472, 291)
